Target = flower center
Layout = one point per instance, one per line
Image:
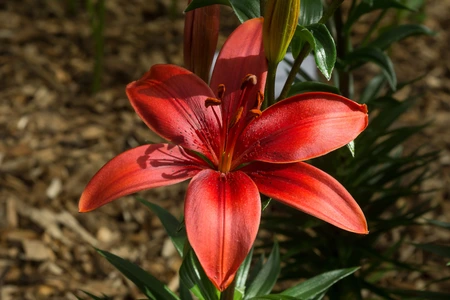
(238, 109)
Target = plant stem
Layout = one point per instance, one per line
(330, 11)
(270, 85)
(305, 51)
(228, 294)
(294, 70)
(374, 27)
(342, 47)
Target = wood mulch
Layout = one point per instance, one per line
(54, 135)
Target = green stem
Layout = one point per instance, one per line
(228, 294)
(330, 11)
(342, 48)
(294, 70)
(305, 51)
(270, 84)
(374, 26)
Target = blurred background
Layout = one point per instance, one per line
(64, 66)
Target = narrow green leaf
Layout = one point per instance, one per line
(246, 10)
(366, 7)
(148, 284)
(398, 33)
(372, 89)
(274, 297)
(375, 55)
(193, 276)
(310, 12)
(325, 49)
(312, 86)
(421, 294)
(351, 148)
(172, 226)
(318, 284)
(267, 277)
(436, 249)
(242, 273)
(439, 223)
(96, 297)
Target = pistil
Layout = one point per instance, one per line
(234, 119)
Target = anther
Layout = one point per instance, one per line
(236, 117)
(221, 91)
(249, 78)
(212, 102)
(256, 112)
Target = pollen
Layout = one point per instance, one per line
(221, 91)
(212, 102)
(248, 79)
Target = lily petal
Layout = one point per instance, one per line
(301, 127)
(137, 169)
(222, 215)
(171, 101)
(310, 190)
(242, 54)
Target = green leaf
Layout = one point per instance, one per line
(148, 284)
(351, 148)
(193, 276)
(366, 7)
(246, 10)
(439, 223)
(398, 33)
(95, 297)
(375, 55)
(310, 12)
(274, 297)
(421, 294)
(312, 86)
(267, 277)
(436, 249)
(242, 273)
(372, 89)
(172, 226)
(318, 284)
(301, 36)
(325, 49)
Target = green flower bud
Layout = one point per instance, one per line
(280, 22)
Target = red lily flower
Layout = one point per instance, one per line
(233, 151)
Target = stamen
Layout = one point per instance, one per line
(249, 78)
(256, 112)
(260, 98)
(212, 102)
(221, 91)
(236, 117)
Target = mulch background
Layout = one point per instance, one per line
(54, 135)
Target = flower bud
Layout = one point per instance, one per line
(280, 22)
(201, 31)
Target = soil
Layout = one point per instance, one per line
(55, 134)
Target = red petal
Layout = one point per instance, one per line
(222, 215)
(302, 127)
(242, 54)
(310, 190)
(171, 101)
(137, 169)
